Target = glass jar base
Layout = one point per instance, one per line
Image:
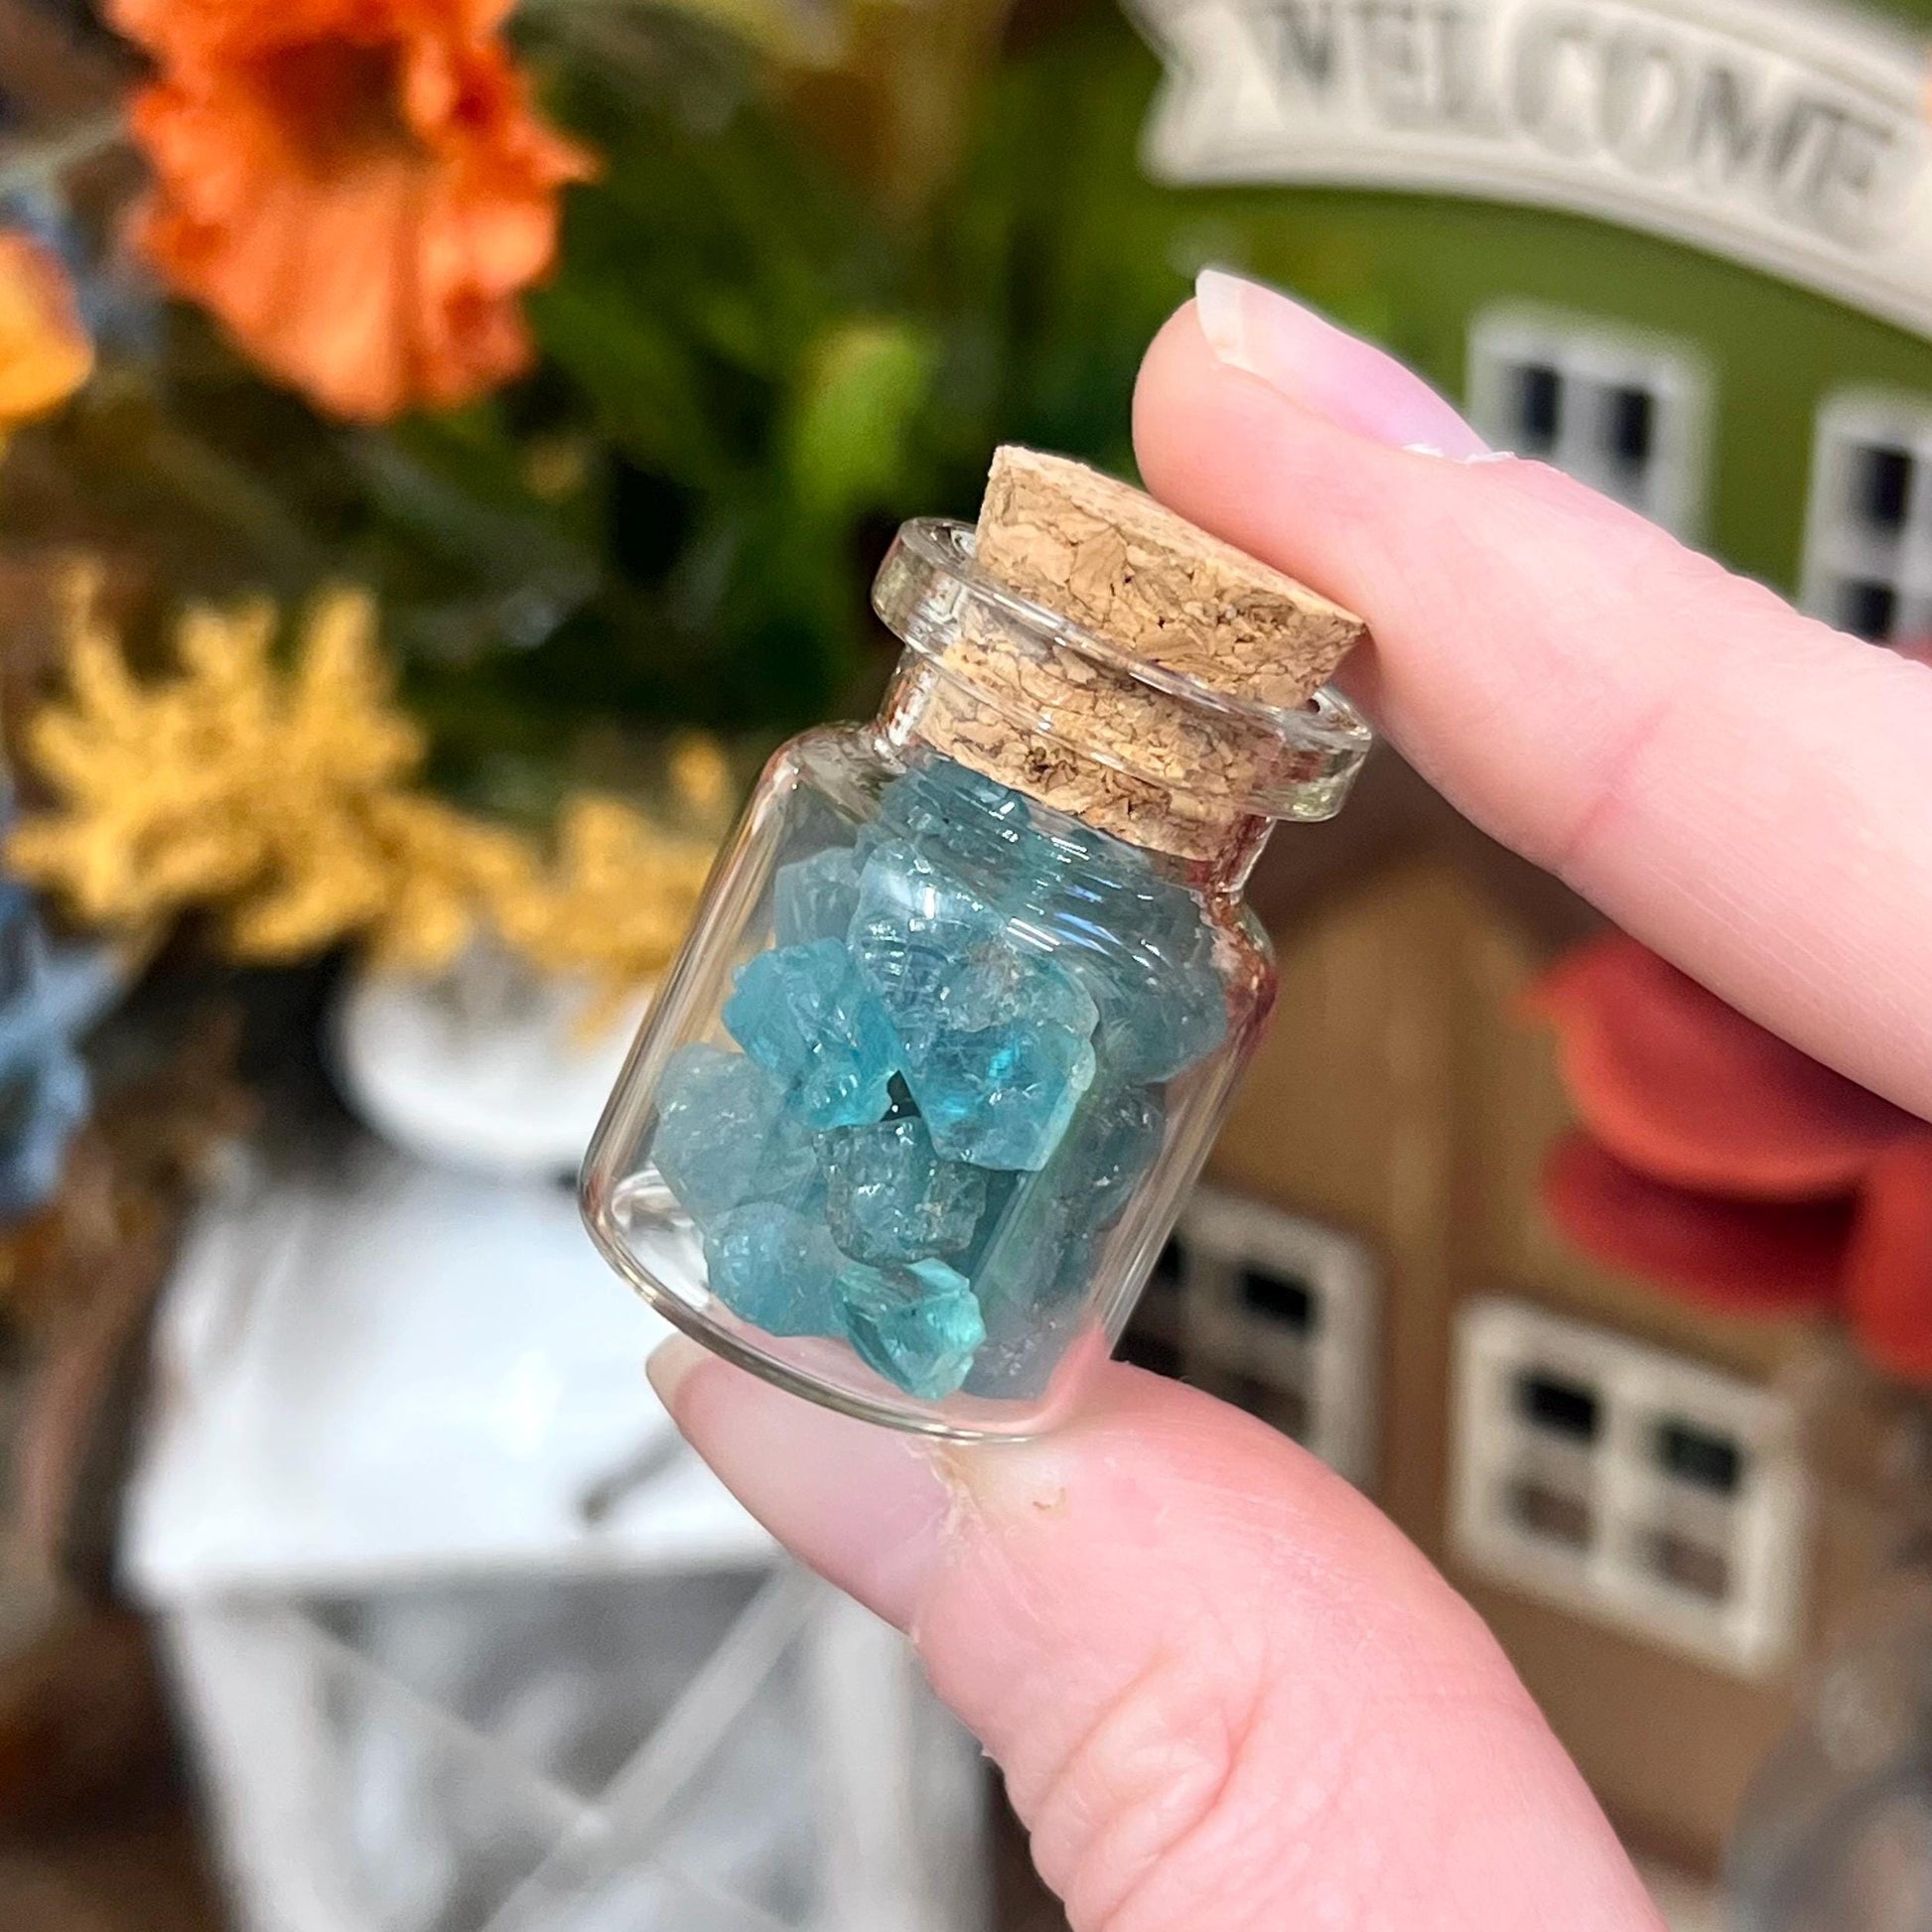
(649, 1240)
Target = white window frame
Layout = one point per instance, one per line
(1592, 360)
(1838, 549)
(1763, 1526)
(1335, 1372)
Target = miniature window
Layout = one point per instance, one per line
(1273, 1312)
(1623, 1481)
(1625, 414)
(1869, 526)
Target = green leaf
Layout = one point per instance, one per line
(847, 447)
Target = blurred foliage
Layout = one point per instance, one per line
(832, 259)
(758, 361)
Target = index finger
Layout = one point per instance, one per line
(1742, 787)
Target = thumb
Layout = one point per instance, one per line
(1224, 1690)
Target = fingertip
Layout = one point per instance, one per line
(866, 1507)
(670, 1365)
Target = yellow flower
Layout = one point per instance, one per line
(283, 797)
(287, 801)
(614, 906)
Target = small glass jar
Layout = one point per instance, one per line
(963, 1008)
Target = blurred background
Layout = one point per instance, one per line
(446, 448)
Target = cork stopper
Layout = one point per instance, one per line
(1121, 665)
(1112, 559)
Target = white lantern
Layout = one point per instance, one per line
(466, 1641)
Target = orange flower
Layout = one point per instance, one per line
(45, 353)
(358, 189)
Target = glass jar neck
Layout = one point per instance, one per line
(1149, 756)
(1226, 852)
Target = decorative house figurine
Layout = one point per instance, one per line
(1687, 255)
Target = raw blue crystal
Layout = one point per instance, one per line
(889, 1198)
(1139, 943)
(775, 1269)
(995, 1038)
(971, 824)
(725, 1135)
(815, 898)
(1108, 1152)
(1001, 1096)
(995, 980)
(1159, 1015)
(1041, 1254)
(918, 1327)
(914, 927)
(941, 958)
(803, 1013)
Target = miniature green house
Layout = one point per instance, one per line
(1682, 249)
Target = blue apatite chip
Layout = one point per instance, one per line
(775, 1269)
(914, 926)
(995, 1039)
(1158, 1015)
(725, 1135)
(1140, 946)
(919, 1327)
(1001, 1096)
(970, 824)
(889, 1197)
(805, 1016)
(942, 959)
(1108, 1152)
(995, 979)
(815, 898)
(1041, 1254)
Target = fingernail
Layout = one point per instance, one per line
(669, 1366)
(865, 1506)
(1317, 366)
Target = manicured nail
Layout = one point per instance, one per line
(670, 1365)
(1317, 366)
(865, 1506)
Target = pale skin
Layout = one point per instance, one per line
(1225, 1691)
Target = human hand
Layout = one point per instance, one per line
(1225, 1691)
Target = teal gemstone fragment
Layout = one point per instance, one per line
(1001, 1096)
(973, 825)
(1139, 943)
(815, 898)
(919, 1327)
(726, 1135)
(994, 980)
(775, 1268)
(804, 1015)
(942, 958)
(890, 1198)
(914, 927)
(1032, 1274)
(995, 1038)
(1158, 1015)
(1108, 1152)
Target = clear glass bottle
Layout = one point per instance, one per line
(917, 1107)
